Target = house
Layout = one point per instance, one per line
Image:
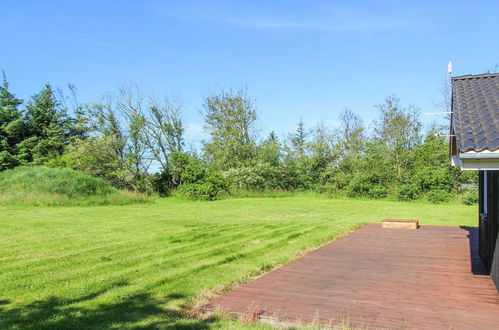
(474, 145)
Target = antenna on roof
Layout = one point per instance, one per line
(447, 94)
(449, 72)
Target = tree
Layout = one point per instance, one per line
(322, 149)
(351, 142)
(80, 121)
(351, 132)
(230, 119)
(164, 131)
(130, 104)
(108, 126)
(398, 130)
(269, 151)
(11, 126)
(47, 128)
(298, 139)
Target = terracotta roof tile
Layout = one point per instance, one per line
(475, 107)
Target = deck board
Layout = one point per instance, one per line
(429, 278)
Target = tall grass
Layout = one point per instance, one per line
(44, 186)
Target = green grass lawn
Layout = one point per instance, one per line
(145, 265)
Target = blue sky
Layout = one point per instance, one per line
(299, 59)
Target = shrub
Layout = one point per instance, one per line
(328, 188)
(470, 197)
(260, 176)
(192, 173)
(332, 181)
(162, 183)
(407, 192)
(210, 185)
(377, 192)
(359, 186)
(93, 156)
(438, 196)
(433, 179)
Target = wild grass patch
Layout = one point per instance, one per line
(43, 186)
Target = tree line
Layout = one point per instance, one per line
(138, 142)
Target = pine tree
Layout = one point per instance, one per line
(47, 128)
(10, 126)
(299, 139)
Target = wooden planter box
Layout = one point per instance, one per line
(400, 223)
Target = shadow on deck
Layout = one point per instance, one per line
(427, 278)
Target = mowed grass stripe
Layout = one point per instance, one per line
(57, 244)
(174, 258)
(57, 261)
(163, 259)
(211, 262)
(53, 255)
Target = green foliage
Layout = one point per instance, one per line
(161, 184)
(7, 160)
(398, 130)
(407, 192)
(433, 179)
(333, 179)
(230, 119)
(366, 186)
(201, 183)
(270, 151)
(438, 196)
(94, 156)
(48, 186)
(259, 176)
(377, 192)
(211, 187)
(126, 137)
(359, 186)
(470, 197)
(47, 128)
(298, 140)
(11, 127)
(329, 189)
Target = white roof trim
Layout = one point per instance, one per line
(479, 161)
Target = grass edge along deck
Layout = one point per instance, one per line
(377, 278)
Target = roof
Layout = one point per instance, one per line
(475, 112)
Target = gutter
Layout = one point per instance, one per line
(479, 155)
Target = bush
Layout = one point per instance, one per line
(470, 197)
(42, 186)
(377, 192)
(210, 185)
(93, 156)
(407, 192)
(161, 183)
(332, 181)
(329, 189)
(260, 176)
(438, 196)
(359, 186)
(427, 179)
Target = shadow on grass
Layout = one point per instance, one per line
(58, 313)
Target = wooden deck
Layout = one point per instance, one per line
(429, 278)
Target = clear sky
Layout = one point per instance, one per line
(307, 59)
